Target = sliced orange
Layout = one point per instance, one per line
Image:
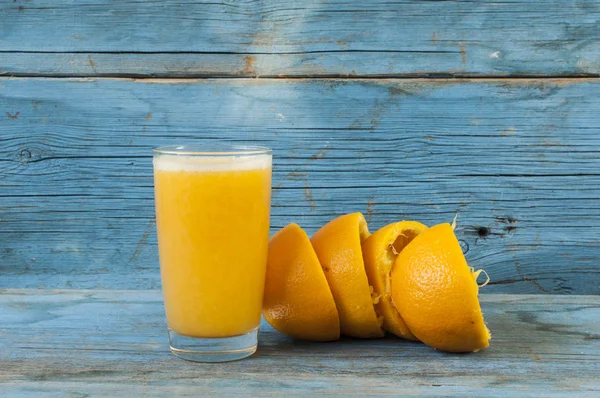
(338, 246)
(436, 292)
(379, 253)
(297, 300)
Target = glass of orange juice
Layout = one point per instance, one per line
(212, 218)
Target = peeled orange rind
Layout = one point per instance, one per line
(405, 278)
(297, 299)
(436, 292)
(338, 247)
(379, 253)
(454, 221)
(476, 276)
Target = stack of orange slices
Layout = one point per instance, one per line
(405, 279)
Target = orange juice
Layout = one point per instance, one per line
(212, 215)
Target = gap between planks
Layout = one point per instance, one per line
(430, 77)
(517, 80)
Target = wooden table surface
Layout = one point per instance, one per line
(83, 343)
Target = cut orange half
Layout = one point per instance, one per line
(379, 253)
(297, 300)
(338, 247)
(436, 292)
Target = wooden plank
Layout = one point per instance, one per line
(303, 64)
(293, 38)
(518, 159)
(106, 343)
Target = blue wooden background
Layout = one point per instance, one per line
(401, 110)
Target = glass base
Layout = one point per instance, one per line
(217, 349)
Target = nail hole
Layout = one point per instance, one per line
(483, 232)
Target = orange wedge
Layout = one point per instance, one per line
(338, 247)
(297, 300)
(379, 253)
(436, 292)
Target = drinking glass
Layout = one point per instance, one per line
(212, 219)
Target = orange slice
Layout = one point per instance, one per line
(436, 292)
(338, 246)
(297, 300)
(379, 253)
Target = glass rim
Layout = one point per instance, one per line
(212, 149)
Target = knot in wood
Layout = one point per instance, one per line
(25, 155)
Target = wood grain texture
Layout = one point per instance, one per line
(517, 159)
(297, 38)
(106, 343)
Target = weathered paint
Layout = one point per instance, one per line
(517, 159)
(114, 343)
(298, 38)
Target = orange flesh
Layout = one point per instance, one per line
(380, 251)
